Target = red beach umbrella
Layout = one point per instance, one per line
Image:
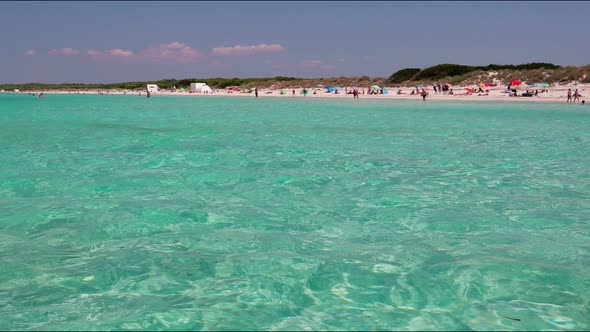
(468, 89)
(515, 82)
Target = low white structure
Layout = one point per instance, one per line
(200, 88)
(152, 88)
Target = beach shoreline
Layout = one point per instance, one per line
(496, 94)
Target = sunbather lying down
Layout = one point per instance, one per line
(482, 94)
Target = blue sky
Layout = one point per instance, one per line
(56, 42)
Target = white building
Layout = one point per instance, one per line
(152, 88)
(200, 88)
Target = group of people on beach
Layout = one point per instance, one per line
(575, 97)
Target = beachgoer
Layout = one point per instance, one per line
(576, 96)
(355, 93)
(149, 94)
(256, 92)
(569, 95)
(583, 102)
(434, 87)
(293, 92)
(424, 94)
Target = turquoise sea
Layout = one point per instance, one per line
(226, 213)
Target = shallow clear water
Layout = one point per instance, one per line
(122, 212)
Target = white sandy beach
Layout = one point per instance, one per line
(557, 93)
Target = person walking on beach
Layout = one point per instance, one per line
(256, 92)
(355, 93)
(576, 96)
(293, 92)
(569, 95)
(424, 94)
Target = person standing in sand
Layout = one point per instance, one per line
(256, 92)
(424, 94)
(576, 96)
(355, 93)
(569, 95)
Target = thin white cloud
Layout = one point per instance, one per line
(64, 51)
(31, 52)
(175, 51)
(119, 52)
(247, 50)
(116, 53)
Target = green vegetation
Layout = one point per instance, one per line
(164, 84)
(219, 83)
(403, 75)
(453, 72)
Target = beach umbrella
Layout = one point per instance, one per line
(337, 88)
(375, 86)
(515, 82)
(420, 86)
(320, 85)
(470, 90)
